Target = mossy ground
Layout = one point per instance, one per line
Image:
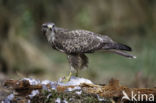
(70, 97)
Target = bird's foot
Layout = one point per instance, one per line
(67, 78)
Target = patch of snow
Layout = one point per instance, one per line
(78, 92)
(44, 87)
(75, 88)
(32, 81)
(45, 82)
(53, 85)
(8, 99)
(100, 99)
(29, 101)
(64, 101)
(33, 93)
(58, 100)
(75, 81)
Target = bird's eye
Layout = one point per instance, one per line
(45, 26)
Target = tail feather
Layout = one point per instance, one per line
(120, 46)
(122, 53)
(117, 46)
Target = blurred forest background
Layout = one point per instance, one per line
(25, 52)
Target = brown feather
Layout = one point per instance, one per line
(78, 61)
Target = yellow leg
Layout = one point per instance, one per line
(77, 72)
(66, 79)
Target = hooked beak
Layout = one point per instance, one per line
(43, 28)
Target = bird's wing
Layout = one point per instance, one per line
(79, 41)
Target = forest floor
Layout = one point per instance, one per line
(77, 90)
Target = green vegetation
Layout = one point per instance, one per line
(70, 97)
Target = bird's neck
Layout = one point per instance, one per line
(51, 37)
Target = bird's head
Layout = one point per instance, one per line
(48, 28)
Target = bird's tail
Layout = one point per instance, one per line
(122, 53)
(116, 46)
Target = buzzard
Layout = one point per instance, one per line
(75, 43)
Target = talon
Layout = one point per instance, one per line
(66, 79)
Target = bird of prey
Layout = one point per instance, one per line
(75, 43)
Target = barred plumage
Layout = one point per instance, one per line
(75, 43)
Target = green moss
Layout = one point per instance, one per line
(71, 97)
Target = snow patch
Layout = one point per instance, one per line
(73, 89)
(45, 82)
(44, 87)
(64, 101)
(33, 93)
(8, 99)
(78, 92)
(100, 99)
(75, 81)
(29, 101)
(32, 81)
(58, 100)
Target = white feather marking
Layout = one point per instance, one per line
(61, 50)
(99, 38)
(51, 37)
(50, 26)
